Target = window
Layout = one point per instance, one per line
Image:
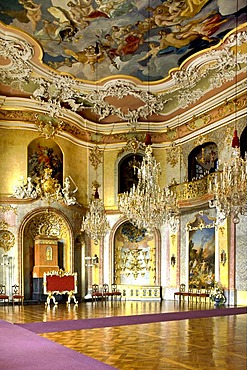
(202, 160)
(128, 170)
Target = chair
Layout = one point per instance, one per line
(16, 294)
(3, 295)
(114, 292)
(205, 293)
(105, 293)
(194, 292)
(181, 293)
(96, 293)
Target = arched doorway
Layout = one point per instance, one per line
(48, 222)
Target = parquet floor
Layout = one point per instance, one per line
(196, 344)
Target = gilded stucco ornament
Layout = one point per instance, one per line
(173, 154)
(46, 188)
(48, 224)
(48, 126)
(8, 208)
(133, 145)
(201, 139)
(7, 239)
(96, 157)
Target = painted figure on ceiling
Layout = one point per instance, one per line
(85, 10)
(129, 33)
(33, 12)
(65, 30)
(202, 28)
(193, 7)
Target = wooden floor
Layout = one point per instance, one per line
(196, 344)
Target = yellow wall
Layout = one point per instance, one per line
(160, 156)
(75, 164)
(13, 157)
(13, 161)
(109, 179)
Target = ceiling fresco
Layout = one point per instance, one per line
(97, 39)
(102, 71)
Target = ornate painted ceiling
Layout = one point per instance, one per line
(115, 67)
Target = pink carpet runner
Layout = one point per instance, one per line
(66, 325)
(23, 350)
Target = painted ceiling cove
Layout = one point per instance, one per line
(119, 65)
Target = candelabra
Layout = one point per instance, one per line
(91, 261)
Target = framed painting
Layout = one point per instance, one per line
(45, 154)
(201, 251)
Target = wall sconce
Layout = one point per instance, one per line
(173, 260)
(91, 261)
(223, 257)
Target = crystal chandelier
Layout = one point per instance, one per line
(145, 204)
(229, 186)
(95, 223)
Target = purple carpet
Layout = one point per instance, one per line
(66, 325)
(22, 349)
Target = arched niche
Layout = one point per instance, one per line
(202, 160)
(45, 153)
(49, 222)
(127, 171)
(124, 240)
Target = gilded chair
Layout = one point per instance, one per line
(3, 296)
(16, 295)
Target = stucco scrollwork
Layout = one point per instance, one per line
(47, 224)
(96, 157)
(18, 53)
(119, 89)
(8, 208)
(7, 240)
(54, 91)
(173, 154)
